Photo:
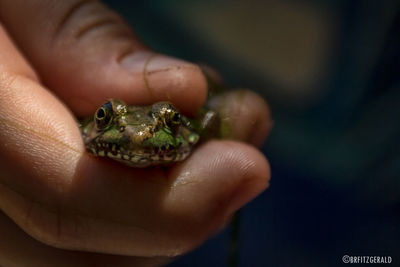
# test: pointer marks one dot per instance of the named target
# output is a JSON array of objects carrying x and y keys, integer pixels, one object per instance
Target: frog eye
[
  {"x": 176, "y": 118},
  {"x": 172, "y": 119},
  {"x": 103, "y": 116}
]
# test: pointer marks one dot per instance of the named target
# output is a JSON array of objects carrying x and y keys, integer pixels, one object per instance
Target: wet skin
[{"x": 142, "y": 136}]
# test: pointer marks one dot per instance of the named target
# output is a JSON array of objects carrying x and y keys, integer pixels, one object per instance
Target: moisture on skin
[{"x": 142, "y": 136}]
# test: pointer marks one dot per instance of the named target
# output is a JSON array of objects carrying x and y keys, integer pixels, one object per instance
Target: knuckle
[
  {"x": 86, "y": 17},
  {"x": 49, "y": 226}
]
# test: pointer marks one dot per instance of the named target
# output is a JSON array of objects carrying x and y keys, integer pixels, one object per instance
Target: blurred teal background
[{"x": 330, "y": 71}]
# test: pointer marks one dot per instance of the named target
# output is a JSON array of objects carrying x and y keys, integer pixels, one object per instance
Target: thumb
[{"x": 85, "y": 53}]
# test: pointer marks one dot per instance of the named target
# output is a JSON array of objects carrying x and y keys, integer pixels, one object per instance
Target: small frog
[{"x": 142, "y": 136}]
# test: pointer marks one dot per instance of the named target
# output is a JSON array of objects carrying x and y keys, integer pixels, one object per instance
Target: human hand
[{"x": 67, "y": 58}]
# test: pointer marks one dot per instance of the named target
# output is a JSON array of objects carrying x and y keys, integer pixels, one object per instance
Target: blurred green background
[{"x": 330, "y": 71}]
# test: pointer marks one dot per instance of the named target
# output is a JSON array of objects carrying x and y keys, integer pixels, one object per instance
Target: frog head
[{"x": 139, "y": 136}]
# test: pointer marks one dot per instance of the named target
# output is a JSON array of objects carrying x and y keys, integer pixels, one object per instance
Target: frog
[{"x": 145, "y": 135}]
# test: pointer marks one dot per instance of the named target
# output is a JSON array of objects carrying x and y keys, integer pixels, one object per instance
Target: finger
[
  {"x": 109, "y": 208},
  {"x": 19, "y": 249},
  {"x": 86, "y": 54},
  {"x": 38, "y": 133},
  {"x": 245, "y": 116}
]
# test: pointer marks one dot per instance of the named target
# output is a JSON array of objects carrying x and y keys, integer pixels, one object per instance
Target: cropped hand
[{"x": 62, "y": 59}]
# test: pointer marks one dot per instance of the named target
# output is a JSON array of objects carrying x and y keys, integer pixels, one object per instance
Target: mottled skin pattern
[{"x": 142, "y": 136}]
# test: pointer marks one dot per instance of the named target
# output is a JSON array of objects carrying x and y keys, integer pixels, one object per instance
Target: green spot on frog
[{"x": 163, "y": 138}]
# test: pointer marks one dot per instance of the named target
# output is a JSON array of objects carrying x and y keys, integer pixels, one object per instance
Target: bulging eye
[
  {"x": 166, "y": 114},
  {"x": 176, "y": 118},
  {"x": 104, "y": 115},
  {"x": 101, "y": 113},
  {"x": 172, "y": 119}
]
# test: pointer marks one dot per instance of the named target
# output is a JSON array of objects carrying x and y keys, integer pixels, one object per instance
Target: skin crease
[{"x": 63, "y": 197}]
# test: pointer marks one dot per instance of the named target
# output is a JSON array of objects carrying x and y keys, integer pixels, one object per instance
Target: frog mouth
[{"x": 140, "y": 157}]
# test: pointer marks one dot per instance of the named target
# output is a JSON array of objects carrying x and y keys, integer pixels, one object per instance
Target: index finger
[{"x": 86, "y": 54}]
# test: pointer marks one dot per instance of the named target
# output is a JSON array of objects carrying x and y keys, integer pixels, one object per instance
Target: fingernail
[
  {"x": 141, "y": 61},
  {"x": 168, "y": 78}
]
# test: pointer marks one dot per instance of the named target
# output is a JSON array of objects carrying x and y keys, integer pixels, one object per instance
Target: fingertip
[
  {"x": 163, "y": 78},
  {"x": 256, "y": 175},
  {"x": 219, "y": 178},
  {"x": 263, "y": 118},
  {"x": 245, "y": 116},
  {"x": 141, "y": 78},
  {"x": 183, "y": 85}
]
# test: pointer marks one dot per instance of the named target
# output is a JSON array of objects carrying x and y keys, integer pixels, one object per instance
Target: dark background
[{"x": 330, "y": 70}]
